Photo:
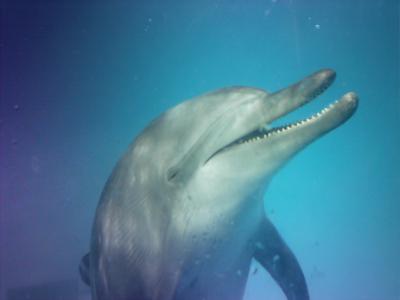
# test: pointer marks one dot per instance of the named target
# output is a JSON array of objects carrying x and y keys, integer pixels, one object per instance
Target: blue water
[{"x": 80, "y": 80}]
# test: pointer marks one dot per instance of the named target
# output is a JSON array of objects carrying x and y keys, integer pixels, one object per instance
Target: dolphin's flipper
[
  {"x": 275, "y": 256},
  {"x": 84, "y": 268}
]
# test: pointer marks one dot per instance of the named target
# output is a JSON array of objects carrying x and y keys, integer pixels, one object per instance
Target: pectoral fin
[{"x": 275, "y": 256}]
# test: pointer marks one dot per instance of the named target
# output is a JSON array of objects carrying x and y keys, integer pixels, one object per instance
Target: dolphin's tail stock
[{"x": 84, "y": 268}]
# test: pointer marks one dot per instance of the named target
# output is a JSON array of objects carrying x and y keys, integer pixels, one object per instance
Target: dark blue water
[{"x": 80, "y": 80}]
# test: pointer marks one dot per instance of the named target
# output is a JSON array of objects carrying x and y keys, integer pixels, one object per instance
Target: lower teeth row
[{"x": 290, "y": 126}]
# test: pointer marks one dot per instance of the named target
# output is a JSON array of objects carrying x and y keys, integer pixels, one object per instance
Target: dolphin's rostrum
[{"x": 182, "y": 214}]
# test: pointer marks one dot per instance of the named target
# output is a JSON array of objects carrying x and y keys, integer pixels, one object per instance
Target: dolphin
[{"x": 182, "y": 215}]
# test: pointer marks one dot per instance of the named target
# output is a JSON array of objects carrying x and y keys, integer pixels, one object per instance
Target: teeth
[{"x": 267, "y": 131}]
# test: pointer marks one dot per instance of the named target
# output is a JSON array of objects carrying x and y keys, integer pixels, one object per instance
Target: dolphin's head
[{"x": 228, "y": 136}]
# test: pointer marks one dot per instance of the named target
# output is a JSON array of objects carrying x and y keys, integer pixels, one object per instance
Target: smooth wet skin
[{"x": 182, "y": 214}]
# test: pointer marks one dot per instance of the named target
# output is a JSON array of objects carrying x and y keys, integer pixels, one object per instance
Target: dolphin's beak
[{"x": 292, "y": 137}]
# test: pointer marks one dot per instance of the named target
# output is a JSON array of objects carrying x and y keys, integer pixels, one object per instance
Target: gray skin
[{"x": 182, "y": 215}]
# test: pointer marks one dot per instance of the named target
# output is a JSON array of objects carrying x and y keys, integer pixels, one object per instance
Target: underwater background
[{"x": 80, "y": 79}]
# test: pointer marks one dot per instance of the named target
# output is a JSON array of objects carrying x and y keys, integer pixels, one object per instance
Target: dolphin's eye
[{"x": 171, "y": 174}]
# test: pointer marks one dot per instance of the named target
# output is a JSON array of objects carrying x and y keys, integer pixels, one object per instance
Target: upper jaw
[{"x": 296, "y": 95}]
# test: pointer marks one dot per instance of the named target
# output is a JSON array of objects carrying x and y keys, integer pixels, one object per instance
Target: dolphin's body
[{"x": 182, "y": 215}]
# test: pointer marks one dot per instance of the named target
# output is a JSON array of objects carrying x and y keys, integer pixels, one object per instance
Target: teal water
[{"x": 80, "y": 80}]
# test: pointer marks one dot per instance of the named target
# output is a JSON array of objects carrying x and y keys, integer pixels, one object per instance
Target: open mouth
[
  {"x": 268, "y": 131},
  {"x": 333, "y": 115}
]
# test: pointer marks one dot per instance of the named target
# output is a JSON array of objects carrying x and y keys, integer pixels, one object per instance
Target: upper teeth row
[{"x": 290, "y": 126}]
